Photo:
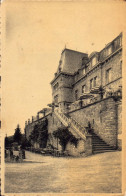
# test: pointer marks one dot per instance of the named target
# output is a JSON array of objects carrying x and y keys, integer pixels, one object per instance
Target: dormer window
[
  {"x": 56, "y": 86},
  {"x": 84, "y": 61},
  {"x": 84, "y": 71},
  {"x": 60, "y": 62},
  {"x": 94, "y": 61},
  {"x": 109, "y": 50},
  {"x": 117, "y": 43},
  {"x": 120, "y": 41}
]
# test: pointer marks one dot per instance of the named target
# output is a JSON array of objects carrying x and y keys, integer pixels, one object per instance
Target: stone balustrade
[
  {"x": 85, "y": 102},
  {"x": 72, "y": 123}
]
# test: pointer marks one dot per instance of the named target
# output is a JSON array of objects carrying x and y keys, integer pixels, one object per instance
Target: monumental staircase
[
  {"x": 77, "y": 130},
  {"x": 98, "y": 145}
]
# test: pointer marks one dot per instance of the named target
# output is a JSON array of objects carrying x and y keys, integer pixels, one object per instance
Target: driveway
[{"x": 100, "y": 173}]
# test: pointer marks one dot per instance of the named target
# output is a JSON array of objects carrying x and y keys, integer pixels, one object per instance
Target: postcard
[{"x": 63, "y": 97}]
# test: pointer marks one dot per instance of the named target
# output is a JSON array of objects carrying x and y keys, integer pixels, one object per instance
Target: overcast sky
[{"x": 35, "y": 35}]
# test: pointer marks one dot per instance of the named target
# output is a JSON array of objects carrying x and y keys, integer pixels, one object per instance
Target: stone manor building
[{"x": 87, "y": 100}]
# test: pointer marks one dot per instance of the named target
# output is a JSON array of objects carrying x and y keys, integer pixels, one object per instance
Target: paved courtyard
[{"x": 38, "y": 174}]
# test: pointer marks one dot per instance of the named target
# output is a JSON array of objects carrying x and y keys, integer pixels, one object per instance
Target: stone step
[
  {"x": 97, "y": 138},
  {"x": 102, "y": 151},
  {"x": 102, "y": 148},
  {"x": 98, "y": 142},
  {"x": 101, "y": 145}
]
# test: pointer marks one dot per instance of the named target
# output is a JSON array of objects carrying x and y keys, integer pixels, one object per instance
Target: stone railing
[
  {"x": 77, "y": 125},
  {"x": 81, "y": 103},
  {"x": 85, "y": 102},
  {"x": 71, "y": 123},
  {"x": 117, "y": 94},
  {"x": 36, "y": 118},
  {"x": 62, "y": 117}
]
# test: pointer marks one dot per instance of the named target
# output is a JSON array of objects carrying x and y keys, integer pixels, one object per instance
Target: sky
[{"x": 35, "y": 33}]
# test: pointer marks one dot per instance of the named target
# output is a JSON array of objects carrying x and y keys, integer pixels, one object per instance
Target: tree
[
  {"x": 18, "y": 135},
  {"x": 8, "y": 141},
  {"x": 25, "y": 143},
  {"x": 40, "y": 133},
  {"x": 35, "y": 133},
  {"x": 7, "y": 144},
  {"x": 65, "y": 136}
]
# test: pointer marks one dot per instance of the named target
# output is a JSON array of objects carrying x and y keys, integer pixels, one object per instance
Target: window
[
  {"x": 56, "y": 86},
  {"x": 121, "y": 66},
  {"x": 120, "y": 41},
  {"x": 91, "y": 83},
  {"x": 116, "y": 43},
  {"x": 56, "y": 99},
  {"x": 108, "y": 75},
  {"x": 76, "y": 95},
  {"x": 109, "y": 50},
  {"x": 60, "y": 62},
  {"x": 84, "y": 71},
  {"x": 83, "y": 88},
  {"x": 95, "y": 81},
  {"x": 93, "y": 61}
]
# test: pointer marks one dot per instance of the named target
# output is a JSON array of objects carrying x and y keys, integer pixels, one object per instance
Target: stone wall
[
  {"x": 103, "y": 118},
  {"x": 86, "y": 81},
  {"x": 119, "y": 123},
  {"x": 76, "y": 150},
  {"x": 64, "y": 90},
  {"x": 115, "y": 63},
  {"x": 116, "y": 68},
  {"x": 29, "y": 128}
]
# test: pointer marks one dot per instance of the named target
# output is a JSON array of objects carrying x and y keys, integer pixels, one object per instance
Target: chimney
[
  {"x": 25, "y": 123},
  {"x": 37, "y": 116},
  {"x": 28, "y": 121}
]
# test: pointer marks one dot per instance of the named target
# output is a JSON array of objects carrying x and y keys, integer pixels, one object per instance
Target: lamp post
[
  {"x": 52, "y": 105},
  {"x": 98, "y": 90},
  {"x": 43, "y": 111}
]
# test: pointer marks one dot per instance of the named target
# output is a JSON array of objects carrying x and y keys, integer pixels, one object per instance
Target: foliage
[
  {"x": 40, "y": 133},
  {"x": 74, "y": 141},
  {"x": 16, "y": 138},
  {"x": 35, "y": 133},
  {"x": 25, "y": 143},
  {"x": 17, "y": 135},
  {"x": 7, "y": 142},
  {"x": 64, "y": 137}
]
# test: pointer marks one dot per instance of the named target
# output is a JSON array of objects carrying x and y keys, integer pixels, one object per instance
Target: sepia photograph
[{"x": 62, "y": 85}]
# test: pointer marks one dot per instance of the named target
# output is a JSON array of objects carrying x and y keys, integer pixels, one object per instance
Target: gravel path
[{"x": 99, "y": 173}]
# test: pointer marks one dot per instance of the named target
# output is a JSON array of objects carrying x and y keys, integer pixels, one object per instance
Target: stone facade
[
  {"x": 102, "y": 117},
  {"x": 88, "y": 89}
]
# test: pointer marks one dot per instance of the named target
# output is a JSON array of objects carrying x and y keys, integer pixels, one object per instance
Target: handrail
[{"x": 71, "y": 122}]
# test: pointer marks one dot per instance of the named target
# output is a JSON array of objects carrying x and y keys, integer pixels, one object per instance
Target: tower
[{"x": 62, "y": 84}]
